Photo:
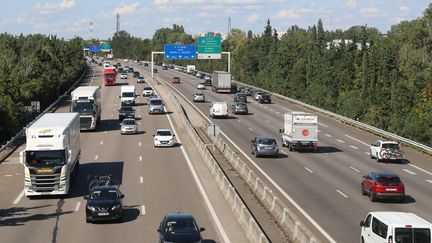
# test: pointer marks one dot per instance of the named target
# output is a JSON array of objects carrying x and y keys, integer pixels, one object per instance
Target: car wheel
[
  {"x": 363, "y": 192},
  {"x": 373, "y": 198},
  {"x": 370, "y": 154},
  {"x": 377, "y": 158},
  {"x": 88, "y": 220}
]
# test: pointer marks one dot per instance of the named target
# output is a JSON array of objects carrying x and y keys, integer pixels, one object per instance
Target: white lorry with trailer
[
  {"x": 127, "y": 95},
  {"x": 190, "y": 69},
  {"x": 86, "y": 100},
  {"x": 51, "y": 155},
  {"x": 300, "y": 131},
  {"x": 221, "y": 82}
]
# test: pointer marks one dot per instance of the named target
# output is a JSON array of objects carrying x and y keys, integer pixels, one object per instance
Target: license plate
[
  {"x": 390, "y": 189},
  {"x": 269, "y": 147},
  {"x": 45, "y": 171},
  {"x": 103, "y": 214}
]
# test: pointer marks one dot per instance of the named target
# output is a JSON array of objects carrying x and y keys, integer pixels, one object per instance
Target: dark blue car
[{"x": 179, "y": 228}]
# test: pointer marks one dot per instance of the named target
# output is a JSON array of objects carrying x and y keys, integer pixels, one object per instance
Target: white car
[
  {"x": 129, "y": 126},
  {"x": 199, "y": 97},
  {"x": 201, "y": 86},
  {"x": 163, "y": 138},
  {"x": 386, "y": 150},
  {"x": 148, "y": 91},
  {"x": 123, "y": 76}
]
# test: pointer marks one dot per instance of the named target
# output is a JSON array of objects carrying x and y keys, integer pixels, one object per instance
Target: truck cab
[{"x": 127, "y": 95}]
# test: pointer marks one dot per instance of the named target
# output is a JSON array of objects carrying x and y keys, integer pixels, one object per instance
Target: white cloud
[
  {"x": 253, "y": 18},
  {"x": 203, "y": 14},
  {"x": 127, "y": 9},
  {"x": 176, "y": 20},
  {"x": 50, "y": 7},
  {"x": 287, "y": 14},
  {"x": 404, "y": 9},
  {"x": 23, "y": 19},
  {"x": 370, "y": 11},
  {"x": 161, "y": 2},
  {"x": 229, "y": 11},
  {"x": 253, "y": 7},
  {"x": 350, "y": 4}
]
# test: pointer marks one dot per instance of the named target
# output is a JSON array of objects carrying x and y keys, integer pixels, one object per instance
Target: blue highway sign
[{"x": 185, "y": 52}]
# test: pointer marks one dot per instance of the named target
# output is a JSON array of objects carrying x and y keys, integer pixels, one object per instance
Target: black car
[
  {"x": 239, "y": 108},
  {"x": 264, "y": 98},
  {"x": 233, "y": 88},
  {"x": 120, "y": 70},
  {"x": 126, "y": 112},
  {"x": 104, "y": 203},
  {"x": 145, "y": 64},
  {"x": 179, "y": 228},
  {"x": 164, "y": 67},
  {"x": 239, "y": 97},
  {"x": 136, "y": 74},
  {"x": 130, "y": 70},
  {"x": 155, "y": 70}
]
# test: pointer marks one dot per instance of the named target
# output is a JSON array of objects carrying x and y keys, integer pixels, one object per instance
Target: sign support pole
[
  {"x": 229, "y": 59},
  {"x": 154, "y": 52}
]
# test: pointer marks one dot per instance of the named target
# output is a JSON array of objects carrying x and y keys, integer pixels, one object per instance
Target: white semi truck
[
  {"x": 86, "y": 100},
  {"x": 300, "y": 131},
  {"x": 221, "y": 82},
  {"x": 51, "y": 155}
]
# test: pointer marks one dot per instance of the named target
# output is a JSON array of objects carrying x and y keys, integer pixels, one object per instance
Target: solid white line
[
  {"x": 141, "y": 179},
  {"x": 328, "y": 135},
  {"x": 354, "y": 147},
  {"x": 355, "y": 139},
  {"x": 420, "y": 169},
  {"x": 101, "y": 142},
  {"x": 143, "y": 210},
  {"x": 310, "y": 171},
  {"x": 340, "y": 141},
  {"x": 354, "y": 169},
  {"x": 19, "y": 197},
  {"x": 8, "y": 175},
  {"x": 409, "y": 172},
  {"x": 250, "y": 129},
  {"x": 140, "y": 158},
  {"x": 430, "y": 181},
  {"x": 77, "y": 206},
  {"x": 277, "y": 112},
  {"x": 139, "y": 144},
  {"x": 285, "y": 108},
  {"x": 96, "y": 157},
  {"x": 345, "y": 196},
  {"x": 322, "y": 124}
]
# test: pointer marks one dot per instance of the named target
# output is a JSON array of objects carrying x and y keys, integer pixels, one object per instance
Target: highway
[
  {"x": 155, "y": 181},
  {"x": 325, "y": 184}
]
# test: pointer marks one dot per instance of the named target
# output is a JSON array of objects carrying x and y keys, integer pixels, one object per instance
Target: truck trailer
[
  {"x": 86, "y": 100},
  {"x": 221, "y": 82},
  {"x": 300, "y": 131},
  {"x": 110, "y": 76},
  {"x": 51, "y": 155}
]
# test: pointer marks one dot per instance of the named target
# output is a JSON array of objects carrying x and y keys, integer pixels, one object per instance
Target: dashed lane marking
[
  {"x": 8, "y": 175},
  {"x": 420, "y": 169},
  {"x": 277, "y": 112},
  {"x": 250, "y": 129},
  {"x": 140, "y": 158},
  {"x": 143, "y": 210},
  {"x": 101, "y": 142},
  {"x": 96, "y": 157},
  {"x": 77, "y": 206},
  {"x": 239, "y": 120},
  {"x": 309, "y": 170},
  {"x": 322, "y": 124},
  {"x": 19, "y": 197},
  {"x": 340, "y": 141},
  {"x": 367, "y": 153},
  {"x": 328, "y": 135},
  {"x": 355, "y": 139},
  {"x": 139, "y": 144},
  {"x": 430, "y": 181},
  {"x": 267, "y": 121},
  {"x": 141, "y": 179},
  {"x": 409, "y": 172},
  {"x": 354, "y": 147},
  {"x": 354, "y": 169},
  {"x": 343, "y": 194}
]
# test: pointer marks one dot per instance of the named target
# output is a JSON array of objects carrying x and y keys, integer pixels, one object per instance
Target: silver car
[
  {"x": 155, "y": 105},
  {"x": 129, "y": 126},
  {"x": 264, "y": 146},
  {"x": 199, "y": 97}
]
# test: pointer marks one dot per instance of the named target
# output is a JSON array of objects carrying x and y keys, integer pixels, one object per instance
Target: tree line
[{"x": 34, "y": 68}]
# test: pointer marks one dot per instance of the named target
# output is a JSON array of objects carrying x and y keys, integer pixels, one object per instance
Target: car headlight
[
  {"x": 91, "y": 208},
  {"x": 116, "y": 207}
]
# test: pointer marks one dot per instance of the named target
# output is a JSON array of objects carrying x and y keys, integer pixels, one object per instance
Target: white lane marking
[
  {"x": 139, "y": 110},
  {"x": 112, "y": 115},
  {"x": 250, "y": 129},
  {"x": 239, "y": 120},
  {"x": 143, "y": 210},
  {"x": 285, "y": 108},
  {"x": 277, "y": 112},
  {"x": 340, "y": 141},
  {"x": 114, "y": 109},
  {"x": 354, "y": 147},
  {"x": 354, "y": 169},
  {"x": 328, "y": 135},
  {"x": 140, "y": 158},
  {"x": 420, "y": 169},
  {"x": 8, "y": 175},
  {"x": 367, "y": 153},
  {"x": 139, "y": 116},
  {"x": 310, "y": 171},
  {"x": 77, "y": 206},
  {"x": 345, "y": 196},
  {"x": 355, "y": 139},
  {"x": 430, "y": 181},
  {"x": 101, "y": 142},
  {"x": 105, "y": 132},
  {"x": 267, "y": 121},
  {"x": 409, "y": 172},
  {"x": 19, "y": 197},
  {"x": 141, "y": 179},
  {"x": 322, "y": 124},
  {"x": 271, "y": 110},
  {"x": 139, "y": 144},
  {"x": 265, "y": 107},
  {"x": 96, "y": 157},
  {"x": 284, "y": 152},
  {"x": 290, "y": 199}
]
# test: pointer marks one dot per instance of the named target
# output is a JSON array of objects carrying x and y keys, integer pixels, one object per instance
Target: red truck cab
[{"x": 110, "y": 76}]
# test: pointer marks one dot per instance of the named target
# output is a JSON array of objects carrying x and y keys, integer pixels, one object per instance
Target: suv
[
  {"x": 385, "y": 150},
  {"x": 264, "y": 98},
  {"x": 126, "y": 112},
  {"x": 239, "y": 97},
  {"x": 381, "y": 185},
  {"x": 239, "y": 108},
  {"x": 147, "y": 91},
  {"x": 104, "y": 203},
  {"x": 177, "y": 227},
  {"x": 264, "y": 145},
  {"x": 155, "y": 105},
  {"x": 257, "y": 94}
]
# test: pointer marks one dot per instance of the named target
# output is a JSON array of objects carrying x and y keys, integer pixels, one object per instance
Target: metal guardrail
[{"x": 22, "y": 131}]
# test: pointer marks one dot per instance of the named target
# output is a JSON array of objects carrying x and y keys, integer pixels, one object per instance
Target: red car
[
  {"x": 383, "y": 185},
  {"x": 176, "y": 80}
]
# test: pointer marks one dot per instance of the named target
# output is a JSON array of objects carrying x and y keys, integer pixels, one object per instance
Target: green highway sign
[{"x": 209, "y": 47}]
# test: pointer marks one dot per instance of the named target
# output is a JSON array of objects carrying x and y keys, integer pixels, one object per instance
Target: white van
[
  {"x": 219, "y": 109},
  {"x": 395, "y": 227},
  {"x": 127, "y": 95}
]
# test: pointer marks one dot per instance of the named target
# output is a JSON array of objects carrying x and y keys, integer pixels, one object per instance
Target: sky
[{"x": 70, "y": 18}]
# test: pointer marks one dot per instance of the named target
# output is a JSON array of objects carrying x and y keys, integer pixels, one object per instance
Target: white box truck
[
  {"x": 300, "y": 130},
  {"x": 221, "y": 82},
  {"x": 127, "y": 95},
  {"x": 86, "y": 100},
  {"x": 190, "y": 69},
  {"x": 51, "y": 155}
]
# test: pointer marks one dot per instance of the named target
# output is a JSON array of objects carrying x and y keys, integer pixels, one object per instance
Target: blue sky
[{"x": 69, "y": 18}]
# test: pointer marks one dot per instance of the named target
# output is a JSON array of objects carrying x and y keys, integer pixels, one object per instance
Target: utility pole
[
  {"x": 118, "y": 23},
  {"x": 229, "y": 26}
]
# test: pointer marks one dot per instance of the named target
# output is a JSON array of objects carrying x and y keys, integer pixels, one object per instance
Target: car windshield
[
  {"x": 240, "y": 105},
  {"x": 163, "y": 133},
  {"x": 267, "y": 141},
  {"x": 155, "y": 102},
  {"x": 148, "y": 88},
  {"x": 199, "y": 94},
  {"x": 127, "y": 94},
  {"x": 390, "y": 146},
  {"x": 82, "y": 106},
  {"x": 183, "y": 226},
  {"x": 126, "y": 108},
  {"x": 104, "y": 194},
  {"x": 388, "y": 180},
  {"x": 49, "y": 158},
  {"x": 128, "y": 122}
]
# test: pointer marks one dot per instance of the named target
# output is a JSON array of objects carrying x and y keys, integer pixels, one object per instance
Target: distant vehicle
[
  {"x": 177, "y": 68},
  {"x": 198, "y": 74},
  {"x": 140, "y": 79},
  {"x": 129, "y": 126},
  {"x": 156, "y": 105},
  {"x": 136, "y": 74},
  {"x": 126, "y": 60},
  {"x": 239, "y": 108},
  {"x": 164, "y": 67},
  {"x": 300, "y": 131},
  {"x": 190, "y": 69},
  {"x": 257, "y": 95},
  {"x": 51, "y": 154},
  {"x": 264, "y": 146},
  {"x": 233, "y": 88},
  {"x": 221, "y": 82},
  {"x": 155, "y": 70},
  {"x": 199, "y": 97},
  {"x": 100, "y": 64},
  {"x": 176, "y": 80},
  {"x": 123, "y": 76},
  {"x": 86, "y": 100},
  {"x": 104, "y": 203},
  {"x": 127, "y": 95},
  {"x": 385, "y": 150},
  {"x": 171, "y": 66},
  {"x": 264, "y": 98},
  {"x": 397, "y": 227},
  {"x": 106, "y": 64},
  {"x": 147, "y": 91},
  {"x": 126, "y": 112},
  {"x": 179, "y": 228},
  {"x": 248, "y": 91},
  {"x": 110, "y": 76},
  {"x": 219, "y": 109},
  {"x": 120, "y": 70},
  {"x": 202, "y": 76},
  {"x": 163, "y": 138},
  {"x": 239, "y": 97},
  {"x": 383, "y": 185},
  {"x": 130, "y": 70},
  {"x": 201, "y": 86},
  {"x": 145, "y": 64},
  {"x": 207, "y": 78}
]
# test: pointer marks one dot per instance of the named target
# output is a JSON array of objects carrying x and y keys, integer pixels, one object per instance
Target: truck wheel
[
  {"x": 377, "y": 158},
  {"x": 290, "y": 147}
]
